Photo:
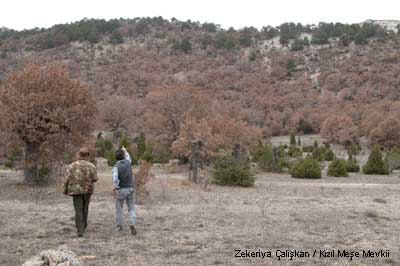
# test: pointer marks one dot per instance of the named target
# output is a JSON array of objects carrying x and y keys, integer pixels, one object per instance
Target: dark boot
[
  {"x": 133, "y": 230},
  {"x": 86, "y": 202}
]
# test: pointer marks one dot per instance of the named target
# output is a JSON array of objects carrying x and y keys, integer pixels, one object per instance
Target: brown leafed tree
[
  {"x": 167, "y": 107},
  {"x": 339, "y": 128},
  {"x": 46, "y": 111},
  {"x": 386, "y": 134},
  {"x": 236, "y": 132},
  {"x": 117, "y": 114},
  {"x": 192, "y": 131}
]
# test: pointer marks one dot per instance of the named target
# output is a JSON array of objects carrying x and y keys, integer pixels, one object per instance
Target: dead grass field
[{"x": 183, "y": 224}]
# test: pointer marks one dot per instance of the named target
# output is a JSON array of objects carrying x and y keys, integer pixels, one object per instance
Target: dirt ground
[{"x": 185, "y": 224}]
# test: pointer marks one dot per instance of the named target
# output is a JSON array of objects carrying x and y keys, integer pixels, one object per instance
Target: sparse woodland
[
  {"x": 304, "y": 118},
  {"x": 179, "y": 82}
]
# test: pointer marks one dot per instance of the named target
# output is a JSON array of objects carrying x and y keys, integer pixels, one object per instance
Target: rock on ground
[{"x": 60, "y": 257}]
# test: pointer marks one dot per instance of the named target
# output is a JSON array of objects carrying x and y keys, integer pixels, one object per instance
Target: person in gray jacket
[{"x": 123, "y": 189}]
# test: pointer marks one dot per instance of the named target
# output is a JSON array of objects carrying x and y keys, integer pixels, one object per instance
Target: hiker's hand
[
  {"x": 123, "y": 148},
  {"x": 114, "y": 194}
]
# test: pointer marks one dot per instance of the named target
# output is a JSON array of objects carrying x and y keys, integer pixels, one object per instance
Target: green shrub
[
  {"x": 376, "y": 165},
  {"x": 147, "y": 156},
  {"x": 281, "y": 164},
  {"x": 125, "y": 142},
  {"x": 291, "y": 66},
  {"x": 329, "y": 155},
  {"x": 141, "y": 144},
  {"x": 270, "y": 159},
  {"x": 228, "y": 172},
  {"x": 315, "y": 144},
  {"x": 184, "y": 45},
  {"x": 306, "y": 168},
  {"x": 103, "y": 145},
  {"x": 245, "y": 40},
  {"x": 162, "y": 156},
  {"x": 305, "y": 126},
  {"x": 393, "y": 159},
  {"x": 224, "y": 40},
  {"x": 294, "y": 151},
  {"x": 15, "y": 154},
  {"x": 352, "y": 165},
  {"x": 297, "y": 45},
  {"x": 9, "y": 164},
  {"x": 280, "y": 151},
  {"x": 354, "y": 148},
  {"x": 116, "y": 37},
  {"x": 337, "y": 168},
  {"x": 265, "y": 157},
  {"x": 318, "y": 153},
  {"x": 110, "y": 156},
  {"x": 42, "y": 174},
  {"x": 292, "y": 139},
  {"x": 308, "y": 149},
  {"x": 253, "y": 56}
]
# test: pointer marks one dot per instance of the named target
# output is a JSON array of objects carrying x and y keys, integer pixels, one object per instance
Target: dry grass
[{"x": 184, "y": 224}]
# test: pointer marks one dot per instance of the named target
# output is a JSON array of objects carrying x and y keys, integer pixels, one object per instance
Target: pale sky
[{"x": 21, "y": 14}]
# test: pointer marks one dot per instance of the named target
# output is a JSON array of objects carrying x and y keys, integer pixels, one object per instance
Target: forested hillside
[{"x": 179, "y": 81}]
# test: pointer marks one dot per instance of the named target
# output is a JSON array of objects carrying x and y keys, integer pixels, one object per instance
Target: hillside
[{"x": 273, "y": 80}]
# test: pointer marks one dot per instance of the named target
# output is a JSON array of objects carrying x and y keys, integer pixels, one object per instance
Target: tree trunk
[
  {"x": 236, "y": 152},
  {"x": 31, "y": 161},
  {"x": 194, "y": 165}
]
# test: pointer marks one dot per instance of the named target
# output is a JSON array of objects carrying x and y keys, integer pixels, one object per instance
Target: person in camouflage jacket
[{"x": 79, "y": 179}]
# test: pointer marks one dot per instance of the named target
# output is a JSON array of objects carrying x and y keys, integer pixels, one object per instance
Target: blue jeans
[{"x": 128, "y": 195}]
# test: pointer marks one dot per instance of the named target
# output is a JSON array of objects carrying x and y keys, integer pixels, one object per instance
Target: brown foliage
[
  {"x": 117, "y": 114},
  {"x": 142, "y": 178},
  {"x": 339, "y": 128},
  {"x": 192, "y": 131},
  {"x": 215, "y": 133},
  {"x": 361, "y": 82},
  {"x": 167, "y": 107},
  {"x": 46, "y": 110},
  {"x": 386, "y": 134},
  {"x": 232, "y": 131}
]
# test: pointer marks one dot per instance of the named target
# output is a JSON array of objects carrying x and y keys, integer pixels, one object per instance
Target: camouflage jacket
[{"x": 79, "y": 178}]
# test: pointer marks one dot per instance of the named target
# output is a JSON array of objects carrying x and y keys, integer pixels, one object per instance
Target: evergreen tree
[
  {"x": 297, "y": 45},
  {"x": 376, "y": 165},
  {"x": 229, "y": 172},
  {"x": 292, "y": 139},
  {"x": 306, "y": 168},
  {"x": 266, "y": 158},
  {"x": 352, "y": 165},
  {"x": 141, "y": 145},
  {"x": 102, "y": 146},
  {"x": 116, "y": 37},
  {"x": 315, "y": 144},
  {"x": 291, "y": 66},
  {"x": 125, "y": 142},
  {"x": 186, "y": 45},
  {"x": 329, "y": 155},
  {"x": 305, "y": 126},
  {"x": 337, "y": 168}
]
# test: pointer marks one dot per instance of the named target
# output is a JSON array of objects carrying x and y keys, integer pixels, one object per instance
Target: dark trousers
[{"x": 81, "y": 205}]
